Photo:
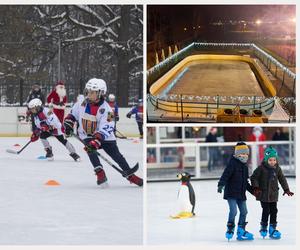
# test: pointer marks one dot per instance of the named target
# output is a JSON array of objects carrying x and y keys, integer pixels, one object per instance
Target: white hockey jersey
[
  {"x": 50, "y": 119},
  {"x": 94, "y": 118}
]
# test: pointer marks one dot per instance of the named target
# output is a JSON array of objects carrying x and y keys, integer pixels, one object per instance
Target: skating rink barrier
[
  {"x": 13, "y": 122},
  {"x": 208, "y": 160}
]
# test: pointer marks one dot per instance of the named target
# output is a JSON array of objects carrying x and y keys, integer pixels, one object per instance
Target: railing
[
  {"x": 185, "y": 107},
  {"x": 196, "y": 158}
]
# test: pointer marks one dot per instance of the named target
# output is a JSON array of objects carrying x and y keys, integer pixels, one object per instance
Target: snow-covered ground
[
  {"x": 209, "y": 225},
  {"x": 73, "y": 213}
]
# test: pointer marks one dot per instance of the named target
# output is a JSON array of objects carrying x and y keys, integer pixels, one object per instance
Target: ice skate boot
[
  {"x": 101, "y": 177},
  {"x": 273, "y": 232},
  {"x": 75, "y": 156},
  {"x": 242, "y": 234},
  {"x": 230, "y": 231},
  {"x": 263, "y": 229},
  {"x": 49, "y": 154},
  {"x": 135, "y": 179}
]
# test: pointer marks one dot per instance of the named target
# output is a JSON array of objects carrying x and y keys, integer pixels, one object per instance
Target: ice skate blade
[{"x": 50, "y": 158}]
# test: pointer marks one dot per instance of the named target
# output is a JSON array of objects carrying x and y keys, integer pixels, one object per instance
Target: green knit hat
[{"x": 269, "y": 153}]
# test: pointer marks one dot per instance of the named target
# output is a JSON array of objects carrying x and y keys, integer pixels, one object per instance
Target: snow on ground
[
  {"x": 74, "y": 213},
  {"x": 209, "y": 225}
]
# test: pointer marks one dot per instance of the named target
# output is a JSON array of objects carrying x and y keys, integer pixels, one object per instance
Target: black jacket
[
  {"x": 235, "y": 179},
  {"x": 211, "y": 138},
  {"x": 36, "y": 94},
  {"x": 266, "y": 179}
]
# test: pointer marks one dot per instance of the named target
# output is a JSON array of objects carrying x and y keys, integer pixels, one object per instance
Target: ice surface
[
  {"x": 209, "y": 225},
  {"x": 77, "y": 212}
]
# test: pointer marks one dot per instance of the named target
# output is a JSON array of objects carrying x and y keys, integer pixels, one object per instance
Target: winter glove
[
  {"x": 256, "y": 192},
  {"x": 220, "y": 189},
  {"x": 128, "y": 115},
  {"x": 288, "y": 192},
  {"x": 95, "y": 143},
  {"x": 35, "y": 135}
]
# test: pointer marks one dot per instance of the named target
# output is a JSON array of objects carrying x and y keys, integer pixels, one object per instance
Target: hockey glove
[
  {"x": 220, "y": 189},
  {"x": 44, "y": 127},
  {"x": 95, "y": 143},
  {"x": 68, "y": 125},
  {"x": 288, "y": 192},
  {"x": 128, "y": 115},
  {"x": 117, "y": 118},
  {"x": 256, "y": 192},
  {"x": 35, "y": 135}
]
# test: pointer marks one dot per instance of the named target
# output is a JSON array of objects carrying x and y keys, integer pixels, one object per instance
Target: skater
[
  {"x": 35, "y": 92},
  {"x": 138, "y": 112},
  {"x": 57, "y": 100},
  {"x": 47, "y": 124},
  {"x": 265, "y": 185},
  {"x": 235, "y": 180},
  {"x": 114, "y": 106},
  {"x": 96, "y": 128}
]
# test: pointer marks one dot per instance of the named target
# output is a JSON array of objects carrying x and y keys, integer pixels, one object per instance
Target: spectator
[
  {"x": 280, "y": 136},
  {"x": 258, "y": 136},
  {"x": 212, "y": 151}
]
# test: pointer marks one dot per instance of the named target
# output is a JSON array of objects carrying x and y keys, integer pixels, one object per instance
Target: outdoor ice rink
[
  {"x": 209, "y": 225},
  {"x": 217, "y": 77},
  {"x": 78, "y": 212}
]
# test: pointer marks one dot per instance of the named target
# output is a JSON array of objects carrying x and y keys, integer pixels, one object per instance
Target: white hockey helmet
[
  {"x": 111, "y": 97},
  {"x": 96, "y": 84},
  {"x": 35, "y": 103}
]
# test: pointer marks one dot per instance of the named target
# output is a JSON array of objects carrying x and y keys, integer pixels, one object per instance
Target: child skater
[
  {"x": 264, "y": 181},
  {"x": 235, "y": 180}
]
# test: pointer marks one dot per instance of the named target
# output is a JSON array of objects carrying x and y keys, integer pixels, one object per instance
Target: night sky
[{"x": 209, "y": 13}]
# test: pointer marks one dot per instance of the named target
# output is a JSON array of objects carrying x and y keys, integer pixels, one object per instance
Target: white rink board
[
  {"x": 11, "y": 126},
  {"x": 77, "y": 212}
]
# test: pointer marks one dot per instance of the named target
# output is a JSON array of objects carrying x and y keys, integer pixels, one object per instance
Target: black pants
[
  {"x": 269, "y": 209},
  {"x": 60, "y": 138},
  {"x": 111, "y": 148},
  {"x": 140, "y": 125}
]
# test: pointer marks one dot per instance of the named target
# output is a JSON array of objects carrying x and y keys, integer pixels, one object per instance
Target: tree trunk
[{"x": 123, "y": 57}]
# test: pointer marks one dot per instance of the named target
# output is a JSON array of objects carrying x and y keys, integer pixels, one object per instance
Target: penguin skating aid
[{"x": 186, "y": 200}]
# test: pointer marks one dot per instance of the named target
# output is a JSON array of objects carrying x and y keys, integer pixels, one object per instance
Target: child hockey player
[
  {"x": 114, "y": 106},
  {"x": 265, "y": 185},
  {"x": 138, "y": 112},
  {"x": 96, "y": 129},
  {"x": 235, "y": 180},
  {"x": 47, "y": 124}
]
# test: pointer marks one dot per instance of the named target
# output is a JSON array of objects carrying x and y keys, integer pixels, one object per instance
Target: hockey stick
[
  {"x": 123, "y": 173},
  {"x": 17, "y": 152}
]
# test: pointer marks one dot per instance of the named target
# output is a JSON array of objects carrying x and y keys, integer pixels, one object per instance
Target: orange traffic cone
[{"x": 52, "y": 183}]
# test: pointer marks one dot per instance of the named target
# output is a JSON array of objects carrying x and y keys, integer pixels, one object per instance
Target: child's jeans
[{"x": 241, "y": 204}]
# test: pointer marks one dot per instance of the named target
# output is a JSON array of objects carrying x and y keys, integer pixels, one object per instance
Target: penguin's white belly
[{"x": 183, "y": 204}]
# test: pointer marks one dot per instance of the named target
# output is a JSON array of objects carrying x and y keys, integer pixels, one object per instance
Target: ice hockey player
[
  {"x": 35, "y": 92},
  {"x": 96, "y": 129},
  {"x": 114, "y": 106},
  {"x": 57, "y": 100},
  {"x": 47, "y": 124},
  {"x": 235, "y": 179},
  {"x": 138, "y": 112},
  {"x": 265, "y": 180}
]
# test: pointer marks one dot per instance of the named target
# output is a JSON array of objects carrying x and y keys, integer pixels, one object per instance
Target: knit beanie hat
[
  {"x": 269, "y": 153},
  {"x": 241, "y": 148}
]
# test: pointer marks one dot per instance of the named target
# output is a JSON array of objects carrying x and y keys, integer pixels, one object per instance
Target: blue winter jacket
[{"x": 235, "y": 178}]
